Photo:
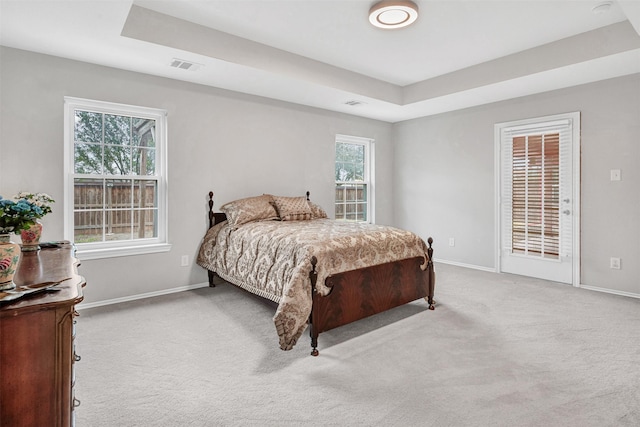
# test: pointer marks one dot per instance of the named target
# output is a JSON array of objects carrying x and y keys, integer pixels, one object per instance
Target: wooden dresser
[{"x": 37, "y": 351}]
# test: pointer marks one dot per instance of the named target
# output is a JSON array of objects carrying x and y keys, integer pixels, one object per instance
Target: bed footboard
[{"x": 361, "y": 293}]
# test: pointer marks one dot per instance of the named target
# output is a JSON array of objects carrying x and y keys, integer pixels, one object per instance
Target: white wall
[
  {"x": 444, "y": 177},
  {"x": 236, "y": 145}
]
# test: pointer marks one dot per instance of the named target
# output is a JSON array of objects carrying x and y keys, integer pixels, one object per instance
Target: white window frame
[
  {"x": 97, "y": 250},
  {"x": 369, "y": 171}
]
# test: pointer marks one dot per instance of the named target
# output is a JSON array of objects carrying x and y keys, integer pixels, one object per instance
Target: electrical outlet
[
  {"x": 614, "y": 263},
  {"x": 184, "y": 262},
  {"x": 452, "y": 241}
]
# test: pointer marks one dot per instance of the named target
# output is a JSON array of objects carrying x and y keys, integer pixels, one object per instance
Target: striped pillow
[
  {"x": 317, "y": 212},
  {"x": 292, "y": 208}
]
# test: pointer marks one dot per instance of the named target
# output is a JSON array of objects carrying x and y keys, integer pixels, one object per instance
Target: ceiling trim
[
  {"x": 603, "y": 42},
  {"x": 552, "y": 58},
  {"x": 165, "y": 30}
]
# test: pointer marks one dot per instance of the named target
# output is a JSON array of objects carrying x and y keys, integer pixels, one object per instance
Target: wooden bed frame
[{"x": 357, "y": 294}]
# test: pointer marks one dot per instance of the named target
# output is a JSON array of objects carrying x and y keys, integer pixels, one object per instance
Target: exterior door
[{"x": 539, "y": 198}]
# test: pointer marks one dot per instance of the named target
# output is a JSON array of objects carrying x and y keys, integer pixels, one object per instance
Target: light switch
[{"x": 615, "y": 174}]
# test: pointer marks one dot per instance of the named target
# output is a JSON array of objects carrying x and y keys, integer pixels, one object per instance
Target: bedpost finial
[
  {"x": 308, "y": 194},
  {"x": 211, "y": 215},
  {"x": 430, "y": 241}
]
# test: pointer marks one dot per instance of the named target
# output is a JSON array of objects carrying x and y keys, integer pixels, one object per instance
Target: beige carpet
[{"x": 499, "y": 350}]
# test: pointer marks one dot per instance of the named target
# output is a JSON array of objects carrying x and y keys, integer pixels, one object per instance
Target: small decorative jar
[
  {"x": 9, "y": 257},
  {"x": 31, "y": 237}
]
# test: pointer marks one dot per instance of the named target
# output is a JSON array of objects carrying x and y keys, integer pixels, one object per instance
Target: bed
[{"x": 321, "y": 273}]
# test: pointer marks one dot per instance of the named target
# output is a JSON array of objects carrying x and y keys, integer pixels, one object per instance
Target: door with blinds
[{"x": 539, "y": 197}]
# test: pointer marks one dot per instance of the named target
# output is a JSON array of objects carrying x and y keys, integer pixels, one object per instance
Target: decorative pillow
[
  {"x": 317, "y": 212},
  {"x": 250, "y": 209},
  {"x": 292, "y": 208}
]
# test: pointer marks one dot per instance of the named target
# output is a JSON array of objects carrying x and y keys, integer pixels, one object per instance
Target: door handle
[
  {"x": 566, "y": 200},
  {"x": 566, "y": 212}
]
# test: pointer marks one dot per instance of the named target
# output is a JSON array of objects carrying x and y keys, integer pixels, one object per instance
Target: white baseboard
[
  {"x": 491, "y": 270},
  {"x": 83, "y": 305},
  {"x": 460, "y": 264},
  {"x": 610, "y": 291}
]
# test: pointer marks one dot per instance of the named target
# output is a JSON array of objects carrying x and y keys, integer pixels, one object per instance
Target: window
[
  {"x": 354, "y": 179},
  {"x": 535, "y": 228},
  {"x": 115, "y": 192}
]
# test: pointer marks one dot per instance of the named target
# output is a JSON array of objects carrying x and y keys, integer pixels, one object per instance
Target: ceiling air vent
[
  {"x": 184, "y": 65},
  {"x": 354, "y": 103}
]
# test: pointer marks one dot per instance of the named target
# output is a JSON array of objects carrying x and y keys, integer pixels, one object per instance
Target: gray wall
[
  {"x": 437, "y": 178},
  {"x": 233, "y": 144},
  {"x": 444, "y": 177}
]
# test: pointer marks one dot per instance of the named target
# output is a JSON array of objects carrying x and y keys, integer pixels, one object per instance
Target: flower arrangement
[
  {"x": 42, "y": 201},
  {"x": 22, "y": 211}
]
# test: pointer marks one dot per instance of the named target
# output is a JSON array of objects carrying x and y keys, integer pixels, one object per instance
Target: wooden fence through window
[
  {"x": 351, "y": 202},
  {"x": 117, "y": 207}
]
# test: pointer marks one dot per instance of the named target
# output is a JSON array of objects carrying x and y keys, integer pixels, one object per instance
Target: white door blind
[
  {"x": 536, "y": 179},
  {"x": 536, "y": 216}
]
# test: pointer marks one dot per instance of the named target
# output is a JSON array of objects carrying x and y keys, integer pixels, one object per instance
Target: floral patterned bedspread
[{"x": 273, "y": 259}]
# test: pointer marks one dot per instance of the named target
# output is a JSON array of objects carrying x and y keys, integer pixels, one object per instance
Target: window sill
[{"x": 88, "y": 254}]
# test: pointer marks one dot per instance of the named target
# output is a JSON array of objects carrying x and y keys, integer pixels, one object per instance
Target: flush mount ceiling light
[{"x": 393, "y": 14}]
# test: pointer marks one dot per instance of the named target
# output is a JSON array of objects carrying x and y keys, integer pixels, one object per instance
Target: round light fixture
[{"x": 393, "y": 14}]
